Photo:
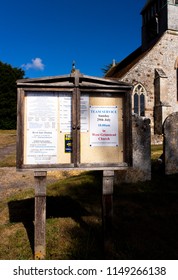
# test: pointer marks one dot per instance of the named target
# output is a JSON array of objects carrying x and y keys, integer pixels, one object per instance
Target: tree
[
  {"x": 8, "y": 95},
  {"x": 108, "y": 67}
]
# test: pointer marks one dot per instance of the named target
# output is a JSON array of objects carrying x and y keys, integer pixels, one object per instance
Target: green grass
[
  {"x": 145, "y": 220},
  {"x": 73, "y": 225},
  {"x": 156, "y": 151},
  {"x": 8, "y": 138},
  {"x": 9, "y": 161}
]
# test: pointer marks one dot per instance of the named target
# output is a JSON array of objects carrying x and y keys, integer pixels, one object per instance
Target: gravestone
[
  {"x": 140, "y": 170},
  {"x": 141, "y": 137},
  {"x": 170, "y": 132}
]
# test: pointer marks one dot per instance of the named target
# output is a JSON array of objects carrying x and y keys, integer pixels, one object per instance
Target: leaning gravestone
[{"x": 170, "y": 131}]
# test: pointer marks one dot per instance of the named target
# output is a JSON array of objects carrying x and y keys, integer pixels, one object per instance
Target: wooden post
[
  {"x": 40, "y": 215},
  {"x": 107, "y": 208}
]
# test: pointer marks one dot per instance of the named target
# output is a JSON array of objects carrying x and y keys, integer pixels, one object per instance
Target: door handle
[{"x": 74, "y": 127}]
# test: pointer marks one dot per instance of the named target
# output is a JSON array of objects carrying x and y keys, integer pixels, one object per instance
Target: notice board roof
[{"x": 75, "y": 79}]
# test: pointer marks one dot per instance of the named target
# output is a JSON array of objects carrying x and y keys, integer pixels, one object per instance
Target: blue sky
[{"x": 44, "y": 37}]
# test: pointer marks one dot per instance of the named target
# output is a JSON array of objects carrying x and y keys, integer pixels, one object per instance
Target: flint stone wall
[
  {"x": 162, "y": 56},
  {"x": 170, "y": 132}
]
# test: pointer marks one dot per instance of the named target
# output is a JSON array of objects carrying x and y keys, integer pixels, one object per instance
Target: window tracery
[{"x": 139, "y": 93}]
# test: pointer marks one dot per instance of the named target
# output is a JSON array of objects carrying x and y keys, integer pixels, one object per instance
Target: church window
[
  {"x": 142, "y": 104},
  {"x": 159, "y": 5},
  {"x": 152, "y": 11},
  {"x": 139, "y": 100},
  {"x": 164, "y": 2},
  {"x": 136, "y": 111},
  {"x": 177, "y": 82},
  {"x": 176, "y": 68}
]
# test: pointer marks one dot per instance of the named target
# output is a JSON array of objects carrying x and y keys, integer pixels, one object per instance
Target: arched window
[
  {"x": 176, "y": 68},
  {"x": 139, "y": 100},
  {"x": 177, "y": 82}
]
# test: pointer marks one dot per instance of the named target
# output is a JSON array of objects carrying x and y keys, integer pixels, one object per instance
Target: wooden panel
[
  {"x": 20, "y": 128},
  {"x": 103, "y": 154},
  {"x": 40, "y": 215}
]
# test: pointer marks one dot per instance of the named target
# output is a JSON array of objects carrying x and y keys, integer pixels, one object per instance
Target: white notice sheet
[
  {"x": 41, "y": 126},
  {"x": 65, "y": 103},
  {"x": 103, "y": 126},
  {"x": 84, "y": 113}
]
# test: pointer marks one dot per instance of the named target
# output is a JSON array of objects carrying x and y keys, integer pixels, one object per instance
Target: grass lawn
[
  {"x": 8, "y": 141},
  {"x": 7, "y": 137},
  {"x": 145, "y": 221}
]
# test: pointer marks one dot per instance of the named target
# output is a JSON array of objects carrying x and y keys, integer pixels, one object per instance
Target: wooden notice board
[{"x": 73, "y": 121}]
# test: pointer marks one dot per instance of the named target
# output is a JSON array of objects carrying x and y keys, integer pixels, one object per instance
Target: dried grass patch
[{"x": 8, "y": 137}]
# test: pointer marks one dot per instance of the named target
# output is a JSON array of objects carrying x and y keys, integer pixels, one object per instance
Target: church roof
[
  {"x": 121, "y": 68},
  {"x": 148, "y": 2},
  {"x": 126, "y": 64}
]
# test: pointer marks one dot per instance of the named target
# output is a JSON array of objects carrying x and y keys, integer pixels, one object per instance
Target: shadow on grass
[
  {"x": 75, "y": 199},
  {"x": 145, "y": 221},
  {"x": 146, "y": 218},
  {"x": 146, "y": 225},
  {"x": 22, "y": 211}
]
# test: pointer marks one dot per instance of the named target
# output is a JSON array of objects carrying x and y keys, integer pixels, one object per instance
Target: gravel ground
[
  {"x": 5, "y": 151},
  {"x": 12, "y": 181}
]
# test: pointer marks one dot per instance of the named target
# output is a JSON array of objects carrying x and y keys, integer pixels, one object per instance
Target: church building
[{"x": 152, "y": 69}]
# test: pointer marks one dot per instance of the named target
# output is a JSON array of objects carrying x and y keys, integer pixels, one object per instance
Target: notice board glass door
[
  {"x": 47, "y": 128},
  {"x": 101, "y": 135}
]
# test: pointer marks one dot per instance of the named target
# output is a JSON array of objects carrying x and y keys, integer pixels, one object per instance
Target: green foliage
[
  {"x": 8, "y": 95},
  {"x": 106, "y": 68}
]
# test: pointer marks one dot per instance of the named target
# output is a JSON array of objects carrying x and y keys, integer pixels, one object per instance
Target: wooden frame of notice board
[{"x": 73, "y": 122}]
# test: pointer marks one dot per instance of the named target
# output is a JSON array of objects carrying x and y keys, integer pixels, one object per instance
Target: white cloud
[{"x": 36, "y": 64}]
